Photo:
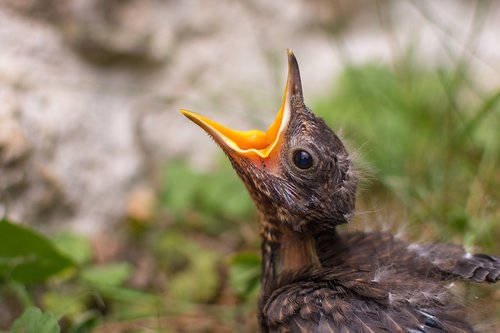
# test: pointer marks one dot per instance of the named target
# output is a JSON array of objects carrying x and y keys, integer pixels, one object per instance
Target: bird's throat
[
  {"x": 286, "y": 253},
  {"x": 297, "y": 252}
]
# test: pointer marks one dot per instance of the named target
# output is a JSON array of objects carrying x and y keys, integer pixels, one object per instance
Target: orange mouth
[{"x": 253, "y": 143}]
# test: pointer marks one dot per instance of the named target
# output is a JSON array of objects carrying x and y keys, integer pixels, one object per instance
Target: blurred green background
[{"x": 411, "y": 87}]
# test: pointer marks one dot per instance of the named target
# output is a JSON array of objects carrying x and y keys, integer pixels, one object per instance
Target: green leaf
[
  {"x": 199, "y": 281},
  {"x": 114, "y": 274},
  {"x": 76, "y": 247},
  {"x": 244, "y": 274},
  {"x": 65, "y": 304},
  {"x": 34, "y": 321},
  {"x": 124, "y": 294},
  {"x": 191, "y": 268},
  {"x": 27, "y": 256},
  {"x": 209, "y": 201}
]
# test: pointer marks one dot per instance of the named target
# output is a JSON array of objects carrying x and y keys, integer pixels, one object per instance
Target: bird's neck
[{"x": 285, "y": 253}]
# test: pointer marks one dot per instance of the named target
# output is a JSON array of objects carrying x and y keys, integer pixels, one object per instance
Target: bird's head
[{"x": 298, "y": 172}]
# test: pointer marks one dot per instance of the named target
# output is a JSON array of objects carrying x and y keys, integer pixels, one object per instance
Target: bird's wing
[
  {"x": 379, "y": 250},
  {"x": 455, "y": 261},
  {"x": 322, "y": 307}
]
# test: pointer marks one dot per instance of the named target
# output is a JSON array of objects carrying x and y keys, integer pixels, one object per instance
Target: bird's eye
[{"x": 302, "y": 159}]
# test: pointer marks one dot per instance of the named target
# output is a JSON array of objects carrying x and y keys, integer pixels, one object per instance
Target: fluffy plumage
[{"x": 372, "y": 282}]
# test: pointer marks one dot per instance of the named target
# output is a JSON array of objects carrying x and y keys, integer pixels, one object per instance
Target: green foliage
[
  {"x": 69, "y": 295},
  {"x": 207, "y": 201},
  {"x": 76, "y": 247},
  {"x": 114, "y": 274},
  {"x": 26, "y": 256},
  {"x": 244, "y": 274},
  {"x": 64, "y": 304},
  {"x": 192, "y": 268},
  {"x": 33, "y": 320}
]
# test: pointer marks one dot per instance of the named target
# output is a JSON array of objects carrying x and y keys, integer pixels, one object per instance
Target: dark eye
[{"x": 302, "y": 159}]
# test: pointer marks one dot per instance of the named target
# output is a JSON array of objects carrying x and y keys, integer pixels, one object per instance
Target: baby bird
[{"x": 314, "y": 278}]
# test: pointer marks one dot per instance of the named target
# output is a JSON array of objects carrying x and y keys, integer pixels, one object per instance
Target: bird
[{"x": 316, "y": 278}]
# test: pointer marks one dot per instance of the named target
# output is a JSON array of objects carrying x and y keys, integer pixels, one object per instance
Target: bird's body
[
  {"x": 314, "y": 279},
  {"x": 372, "y": 282}
]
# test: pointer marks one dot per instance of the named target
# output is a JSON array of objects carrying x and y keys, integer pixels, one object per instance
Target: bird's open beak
[{"x": 255, "y": 143}]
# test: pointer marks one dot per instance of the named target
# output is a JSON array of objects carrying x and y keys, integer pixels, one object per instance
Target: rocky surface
[{"x": 90, "y": 90}]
